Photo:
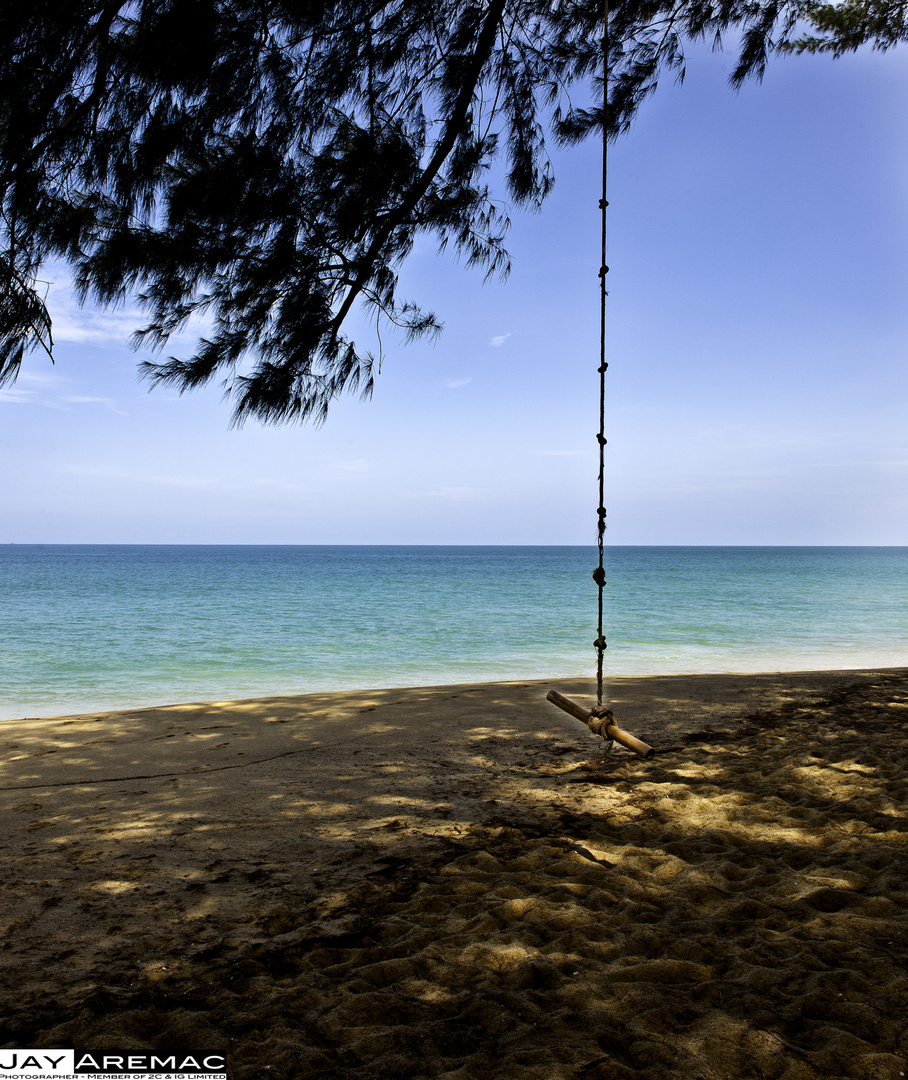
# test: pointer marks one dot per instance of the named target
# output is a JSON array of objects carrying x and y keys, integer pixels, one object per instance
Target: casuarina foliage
[{"x": 268, "y": 164}]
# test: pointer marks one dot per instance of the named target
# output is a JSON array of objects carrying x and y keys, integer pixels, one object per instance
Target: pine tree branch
[{"x": 445, "y": 145}]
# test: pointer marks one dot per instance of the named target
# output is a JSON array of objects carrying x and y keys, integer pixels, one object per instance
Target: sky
[{"x": 757, "y": 347}]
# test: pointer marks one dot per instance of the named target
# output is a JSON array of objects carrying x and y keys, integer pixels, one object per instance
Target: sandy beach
[{"x": 458, "y": 882}]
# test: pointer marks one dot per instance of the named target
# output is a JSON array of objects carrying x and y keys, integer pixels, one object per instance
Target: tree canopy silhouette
[{"x": 269, "y": 163}]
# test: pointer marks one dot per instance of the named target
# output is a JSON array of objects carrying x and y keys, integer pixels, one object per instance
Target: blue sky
[{"x": 758, "y": 350}]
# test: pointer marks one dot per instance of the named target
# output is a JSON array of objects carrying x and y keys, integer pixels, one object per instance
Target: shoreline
[
  {"x": 456, "y": 882},
  {"x": 627, "y": 687}
]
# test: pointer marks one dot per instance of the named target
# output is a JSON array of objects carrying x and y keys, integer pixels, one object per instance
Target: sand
[{"x": 457, "y": 882}]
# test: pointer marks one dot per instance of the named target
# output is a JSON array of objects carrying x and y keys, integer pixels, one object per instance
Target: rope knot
[{"x": 599, "y": 720}]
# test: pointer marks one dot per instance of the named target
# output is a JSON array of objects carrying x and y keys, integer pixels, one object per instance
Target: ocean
[{"x": 93, "y": 627}]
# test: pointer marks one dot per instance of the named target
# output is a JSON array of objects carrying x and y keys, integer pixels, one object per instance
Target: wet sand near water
[{"x": 458, "y": 882}]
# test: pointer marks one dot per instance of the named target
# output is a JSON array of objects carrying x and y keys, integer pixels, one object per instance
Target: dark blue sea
[{"x": 103, "y": 627}]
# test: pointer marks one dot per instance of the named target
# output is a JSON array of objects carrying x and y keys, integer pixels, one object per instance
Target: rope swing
[{"x": 601, "y": 720}]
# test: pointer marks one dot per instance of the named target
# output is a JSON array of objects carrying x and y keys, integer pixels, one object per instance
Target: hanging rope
[
  {"x": 599, "y": 572},
  {"x": 600, "y": 720}
]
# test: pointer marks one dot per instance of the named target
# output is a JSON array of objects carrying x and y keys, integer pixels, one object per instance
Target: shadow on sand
[{"x": 453, "y": 881}]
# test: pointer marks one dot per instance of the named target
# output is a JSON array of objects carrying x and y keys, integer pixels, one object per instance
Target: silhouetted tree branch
[{"x": 269, "y": 164}]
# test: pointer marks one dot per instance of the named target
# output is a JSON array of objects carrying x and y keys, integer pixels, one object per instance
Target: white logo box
[{"x": 63, "y": 1064}]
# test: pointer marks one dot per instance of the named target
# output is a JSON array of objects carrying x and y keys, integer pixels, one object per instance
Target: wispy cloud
[
  {"x": 84, "y": 325},
  {"x": 22, "y": 395},
  {"x": 40, "y": 378},
  {"x": 90, "y": 324},
  {"x": 29, "y": 385},
  {"x": 16, "y": 397},
  {"x": 499, "y": 340},
  {"x": 453, "y": 384},
  {"x": 108, "y": 403},
  {"x": 92, "y": 327}
]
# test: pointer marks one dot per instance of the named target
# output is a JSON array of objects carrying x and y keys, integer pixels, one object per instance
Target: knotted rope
[{"x": 599, "y": 572}]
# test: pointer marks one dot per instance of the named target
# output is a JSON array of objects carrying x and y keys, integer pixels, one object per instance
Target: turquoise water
[{"x": 102, "y": 627}]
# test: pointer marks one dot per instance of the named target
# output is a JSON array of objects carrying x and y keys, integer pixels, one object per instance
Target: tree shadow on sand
[{"x": 388, "y": 887}]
